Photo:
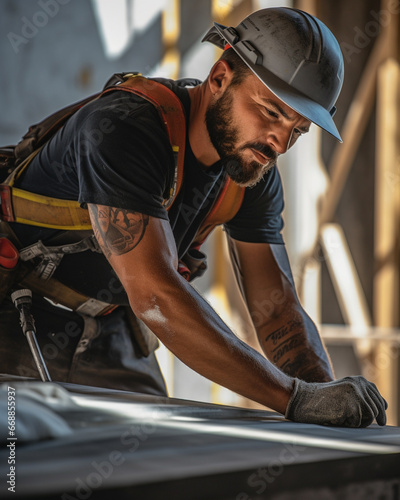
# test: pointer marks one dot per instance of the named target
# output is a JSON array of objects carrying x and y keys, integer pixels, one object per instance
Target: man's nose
[{"x": 281, "y": 139}]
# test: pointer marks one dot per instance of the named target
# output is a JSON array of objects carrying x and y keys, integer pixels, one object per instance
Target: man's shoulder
[
  {"x": 179, "y": 88},
  {"x": 118, "y": 105},
  {"x": 123, "y": 106}
]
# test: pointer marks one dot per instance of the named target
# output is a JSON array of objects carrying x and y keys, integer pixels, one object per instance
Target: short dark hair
[{"x": 237, "y": 65}]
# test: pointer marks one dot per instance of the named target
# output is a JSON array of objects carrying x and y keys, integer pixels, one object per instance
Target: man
[{"x": 280, "y": 71}]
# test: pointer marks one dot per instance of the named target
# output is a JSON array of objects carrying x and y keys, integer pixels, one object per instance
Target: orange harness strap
[
  {"x": 224, "y": 209},
  {"x": 172, "y": 114},
  {"x": 29, "y": 208},
  {"x": 230, "y": 198}
]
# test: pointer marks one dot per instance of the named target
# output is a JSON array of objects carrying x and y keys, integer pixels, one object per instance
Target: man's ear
[{"x": 220, "y": 77}]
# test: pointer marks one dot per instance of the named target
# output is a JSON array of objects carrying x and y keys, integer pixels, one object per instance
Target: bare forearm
[
  {"x": 194, "y": 332},
  {"x": 142, "y": 252},
  {"x": 191, "y": 329},
  {"x": 287, "y": 335},
  {"x": 293, "y": 344}
]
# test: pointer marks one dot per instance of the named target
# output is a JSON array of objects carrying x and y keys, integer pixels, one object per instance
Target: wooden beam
[
  {"x": 387, "y": 233},
  {"x": 353, "y": 130},
  {"x": 344, "y": 277},
  {"x": 170, "y": 63},
  {"x": 310, "y": 6},
  {"x": 231, "y": 12},
  {"x": 358, "y": 116},
  {"x": 347, "y": 285},
  {"x": 387, "y": 193}
]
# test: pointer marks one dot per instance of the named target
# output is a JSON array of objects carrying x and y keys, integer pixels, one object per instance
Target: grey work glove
[{"x": 347, "y": 402}]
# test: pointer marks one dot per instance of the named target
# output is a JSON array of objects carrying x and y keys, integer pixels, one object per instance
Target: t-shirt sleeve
[
  {"x": 124, "y": 158},
  {"x": 259, "y": 219}
]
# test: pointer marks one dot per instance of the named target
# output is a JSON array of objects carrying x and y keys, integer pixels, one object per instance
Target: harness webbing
[
  {"x": 21, "y": 206},
  {"x": 172, "y": 114},
  {"x": 225, "y": 207},
  {"x": 37, "y": 210}
]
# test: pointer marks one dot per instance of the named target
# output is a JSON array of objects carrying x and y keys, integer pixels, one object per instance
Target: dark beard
[
  {"x": 223, "y": 135},
  {"x": 246, "y": 174}
]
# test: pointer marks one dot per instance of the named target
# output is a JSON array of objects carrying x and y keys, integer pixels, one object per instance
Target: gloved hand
[{"x": 347, "y": 402}]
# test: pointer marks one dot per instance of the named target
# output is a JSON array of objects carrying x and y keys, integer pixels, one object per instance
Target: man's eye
[
  {"x": 300, "y": 132},
  {"x": 272, "y": 113}
]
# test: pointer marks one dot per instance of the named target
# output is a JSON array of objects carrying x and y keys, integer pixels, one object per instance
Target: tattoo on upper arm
[{"x": 117, "y": 230}]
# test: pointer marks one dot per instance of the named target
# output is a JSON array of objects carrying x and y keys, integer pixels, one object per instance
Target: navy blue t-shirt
[{"x": 115, "y": 151}]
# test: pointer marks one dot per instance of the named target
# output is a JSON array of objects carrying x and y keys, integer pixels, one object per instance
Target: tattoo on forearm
[
  {"x": 302, "y": 366},
  {"x": 291, "y": 350},
  {"x": 292, "y": 367},
  {"x": 287, "y": 346},
  {"x": 282, "y": 332},
  {"x": 285, "y": 340},
  {"x": 117, "y": 230}
]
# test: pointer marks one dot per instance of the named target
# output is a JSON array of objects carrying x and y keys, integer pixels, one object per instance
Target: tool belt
[
  {"x": 33, "y": 268},
  {"x": 19, "y": 269}
]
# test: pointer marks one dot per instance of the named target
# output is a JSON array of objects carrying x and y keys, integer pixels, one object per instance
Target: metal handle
[{"x": 22, "y": 300}]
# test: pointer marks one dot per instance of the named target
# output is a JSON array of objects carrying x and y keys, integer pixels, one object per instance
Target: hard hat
[{"x": 295, "y": 55}]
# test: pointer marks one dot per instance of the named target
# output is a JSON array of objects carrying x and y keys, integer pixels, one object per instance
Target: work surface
[{"x": 143, "y": 447}]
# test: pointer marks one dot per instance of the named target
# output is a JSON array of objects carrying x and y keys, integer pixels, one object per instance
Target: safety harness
[{"x": 38, "y": 262}]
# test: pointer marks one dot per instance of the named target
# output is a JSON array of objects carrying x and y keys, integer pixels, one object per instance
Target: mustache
[{"x": 264, "y": 149}]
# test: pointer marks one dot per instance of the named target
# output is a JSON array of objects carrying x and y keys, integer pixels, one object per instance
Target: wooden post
[
  {"x": 387, "y": 233},
  {"x": 170, "y": 36},
  {"x": 387, "y": 189},
  {"x": 353, "y": 130}
]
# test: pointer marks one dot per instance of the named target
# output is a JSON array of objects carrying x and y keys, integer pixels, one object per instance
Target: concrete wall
[{"x": 51, "y": 59}]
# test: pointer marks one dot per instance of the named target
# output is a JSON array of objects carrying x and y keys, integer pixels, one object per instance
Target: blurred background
[{"x": 342, "y": 200}]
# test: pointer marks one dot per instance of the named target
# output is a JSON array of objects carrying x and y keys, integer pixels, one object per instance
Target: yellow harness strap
[
  {"x": 49, "y": 212},
  {"x": 21, "y": 206},
  {"x": 37, "y": 210},
  {"x": 44, "y": 211}
]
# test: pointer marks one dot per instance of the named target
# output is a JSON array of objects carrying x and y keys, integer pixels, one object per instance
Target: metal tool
[{"x": 22, "y": 299}]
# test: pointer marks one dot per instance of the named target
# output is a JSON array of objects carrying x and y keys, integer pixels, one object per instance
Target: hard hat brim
[{"x": 296, "y": 100}]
